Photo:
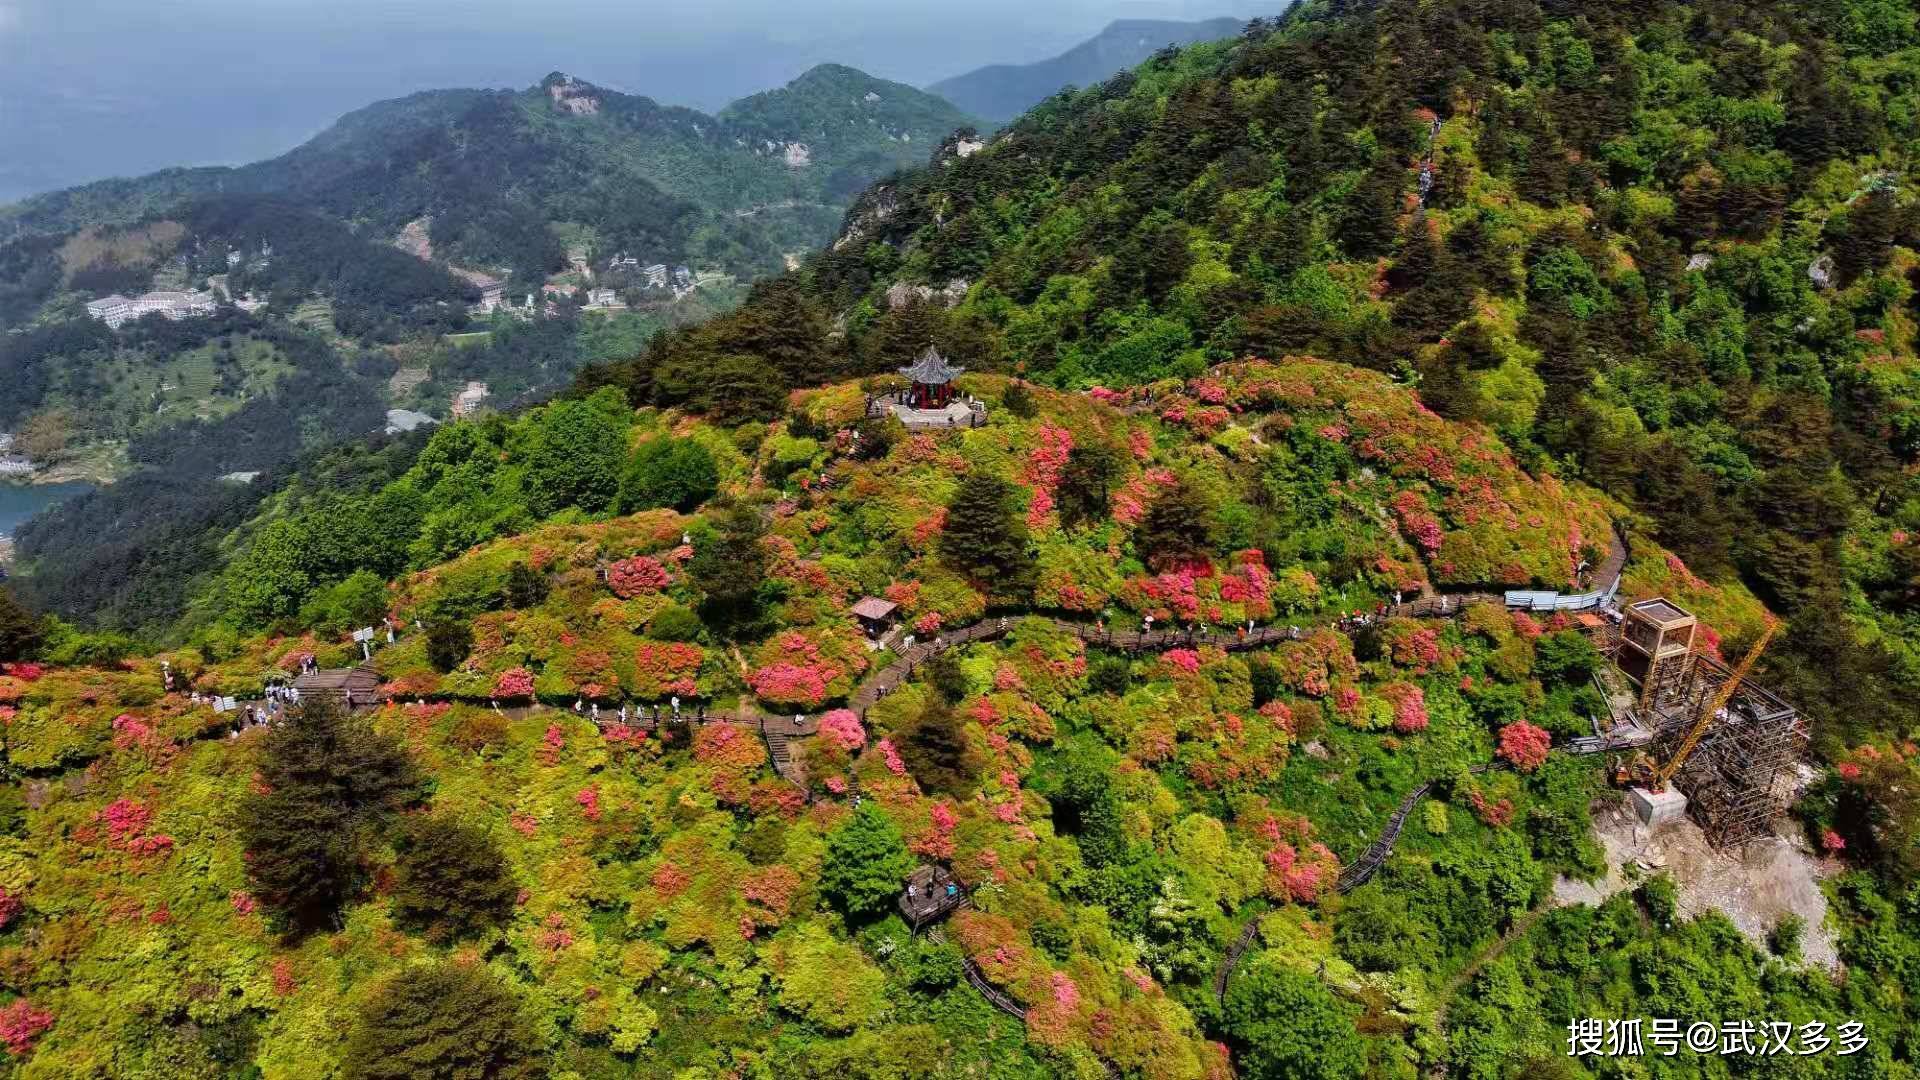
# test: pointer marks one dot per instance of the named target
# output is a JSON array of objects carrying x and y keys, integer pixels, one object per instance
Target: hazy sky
[{"x": 96, "y": 88}]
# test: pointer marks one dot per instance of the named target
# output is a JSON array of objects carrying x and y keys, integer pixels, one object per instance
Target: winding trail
[{"x": 1486, "y": 956}]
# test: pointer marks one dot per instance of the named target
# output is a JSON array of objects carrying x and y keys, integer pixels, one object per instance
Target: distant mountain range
[
  {"x": 514, "y": 179},
  {"x": 1003, "y": 91}
]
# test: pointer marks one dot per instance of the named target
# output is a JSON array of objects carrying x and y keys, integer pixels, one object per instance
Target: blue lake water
[{"x": 18, "y": 502}]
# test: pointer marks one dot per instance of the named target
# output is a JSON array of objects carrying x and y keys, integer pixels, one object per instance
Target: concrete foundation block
[{"x": 1657, "y": 808}]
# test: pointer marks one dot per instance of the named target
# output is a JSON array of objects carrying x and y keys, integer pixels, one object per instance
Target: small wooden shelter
[{"x": 875, "y": 615}]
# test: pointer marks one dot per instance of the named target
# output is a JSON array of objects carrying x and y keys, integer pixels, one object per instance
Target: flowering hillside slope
[{"x": 628, "y": 896}]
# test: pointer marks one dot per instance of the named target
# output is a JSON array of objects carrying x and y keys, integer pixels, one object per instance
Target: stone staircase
[{"x": 780, "y": 752}]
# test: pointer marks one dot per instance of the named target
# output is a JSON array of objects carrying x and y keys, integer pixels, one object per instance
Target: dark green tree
[
  {"x": 442, "y": 1021},
  {"x": 1086, "y": 484},
  {"x": 667, "y": 472},
  {"x": 21, "y": 631},
  {"x": 947, "y": 677},
  {"x": 574, "y": 453},
  {"x": 1565, "y": 657},
  {"x": 984, "y": 536},
  {"x": 1085, "y": 805},
  {"x": 1287, "y": 1026},
  {"x": 937, "y": 752},
  {"x": 452, "y": 879},
  {"x": 328, "y": 784},
  {"x": 1367, "y": 223},
  {"x": 526, "y": 588},
  {"x": 1018, "y": 400},
  {"x": 784, "y": 329},
  {"x": 867, "y": 863},
  {"x": 1178, "y": 527},
  {"x": 674, "y": 623},
  {"x": 448, "y": 643},
  {"x": 726, "y": 387},
  {"x": 729, "y": 567}
]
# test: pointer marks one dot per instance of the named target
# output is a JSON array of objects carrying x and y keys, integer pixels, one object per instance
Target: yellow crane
[{"x": 1654, "y": 777}]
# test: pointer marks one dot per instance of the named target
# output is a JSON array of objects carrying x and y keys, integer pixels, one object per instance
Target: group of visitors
[{"x": 633, "y": 714}]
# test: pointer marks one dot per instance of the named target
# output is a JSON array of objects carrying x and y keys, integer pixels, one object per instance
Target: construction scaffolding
[
  {"x": 1656, "y": 650},
  {"x": 1739, "y": 778}
]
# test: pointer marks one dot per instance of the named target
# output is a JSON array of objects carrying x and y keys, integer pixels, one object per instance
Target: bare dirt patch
[
  {"x": 416, "y": 239},
  {"x": 404, "y": 381},
  {"x": 1754, "y": 887},
  {"x": 135, "y": 245}
]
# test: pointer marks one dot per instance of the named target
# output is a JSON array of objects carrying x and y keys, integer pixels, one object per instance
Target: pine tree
[
  {"x": 327, "y": 784},
  {"x": 729, "y": 569},
  {"x": 984, "y": 537},
  {"x": 21, "y": 631},
  {"x": 1179, "y": 527},
  {"x": 448, "y": 643},
  {"x": 452, "y": 878},
  {"x": 442, "y": 1021},
  {"x": 526, "y": 588},
  {"x": 1086, "y": 483},
  {"x": 936, "y": 751}
]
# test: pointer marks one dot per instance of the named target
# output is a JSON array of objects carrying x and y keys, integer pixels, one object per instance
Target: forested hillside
[
  {"x": 347, "y": 250},
  {"x": 1665, "y": 248}
]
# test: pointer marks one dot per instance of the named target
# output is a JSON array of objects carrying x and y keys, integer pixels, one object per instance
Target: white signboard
[{"x": 365, "y": 633}]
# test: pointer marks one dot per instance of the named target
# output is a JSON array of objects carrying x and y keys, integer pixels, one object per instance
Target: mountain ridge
[
  {"x": 1001, "y": 92},
  {"x": 625, "y": 167}
]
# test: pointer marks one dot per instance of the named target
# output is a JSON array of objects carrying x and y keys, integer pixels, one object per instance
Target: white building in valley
[
  {"x": 116, "y": 310},
  {"x": 467, "y": 401},
  {"x": 112, "y": 310}
]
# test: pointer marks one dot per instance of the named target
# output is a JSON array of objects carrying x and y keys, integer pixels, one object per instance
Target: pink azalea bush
[
  {"x": 21, "y": 1025},
  {"x": 1525, "y": 745},
  {"x": 514, "y": 683},
  {"x": 792, "y": 684},
  {"x": 800, "y": 670},
  {"x": 633, "y": 577},
  {"x": 1185, "y": 660},
  {"x": 841, "y": 729},
  {"x": 1409, "y": 707},
  {"x": 662, "y": 669}
]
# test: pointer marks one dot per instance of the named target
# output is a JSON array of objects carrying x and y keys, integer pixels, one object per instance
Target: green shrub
[{"x": 671, "y": 473}]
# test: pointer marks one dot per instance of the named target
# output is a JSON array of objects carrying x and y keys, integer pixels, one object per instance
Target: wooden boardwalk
[
  {"x": 1234, "y": 952},
  {"x": 1355, "y": 875},
  {"x": 994, "y": 995}
]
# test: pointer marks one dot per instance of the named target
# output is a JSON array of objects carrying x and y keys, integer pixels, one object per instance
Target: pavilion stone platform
[
  {"x": 930, "y": 400},
  {"x": 956, "y": 414}
]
